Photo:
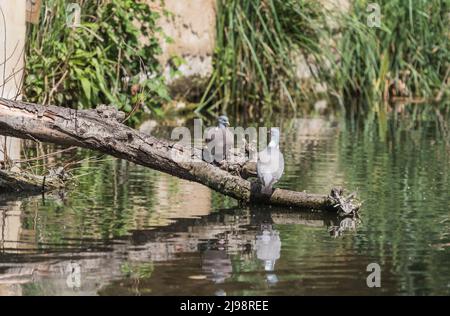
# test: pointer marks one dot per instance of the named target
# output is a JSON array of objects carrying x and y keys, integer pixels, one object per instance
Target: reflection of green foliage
[
  {"x": 219, "y": 201},
  {"x": 33, "y": 289},
  {"x": 242, "y": 264},
  {"x": 137, "y": 270},
  {"x": 100, "y": 206},
  {"x": 84, "y": 66},
  {"x": 403, "y": 175}
]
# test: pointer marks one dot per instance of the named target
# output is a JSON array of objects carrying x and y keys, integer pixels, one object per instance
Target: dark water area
[{"x": 129, "y": 230}]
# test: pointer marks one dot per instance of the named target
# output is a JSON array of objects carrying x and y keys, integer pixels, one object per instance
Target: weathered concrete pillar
[
  {"x": 12, "y": 42},
  {"x": 12, "y": 49},
  {"x": 192, "y": 26}
]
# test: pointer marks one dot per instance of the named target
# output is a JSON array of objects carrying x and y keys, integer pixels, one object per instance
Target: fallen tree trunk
[{"x": 102, "y": 130}]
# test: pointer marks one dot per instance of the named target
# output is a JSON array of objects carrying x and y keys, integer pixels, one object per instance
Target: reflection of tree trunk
[
  {"x": 101, "y": 130},
  {"x": 10, "y": 226},
  {"x": 11, "y": 76}
]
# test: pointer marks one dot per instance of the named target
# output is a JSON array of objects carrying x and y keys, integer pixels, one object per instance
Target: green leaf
[{"x": 86, "y": 85}]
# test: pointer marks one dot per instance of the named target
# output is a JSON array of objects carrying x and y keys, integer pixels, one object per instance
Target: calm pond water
[{"x": 128, "y": 230}]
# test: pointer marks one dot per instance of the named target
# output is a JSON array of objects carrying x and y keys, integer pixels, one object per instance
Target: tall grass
[
  {"x": 258, "y": 42},
  {"x": 408, "y": 56}
]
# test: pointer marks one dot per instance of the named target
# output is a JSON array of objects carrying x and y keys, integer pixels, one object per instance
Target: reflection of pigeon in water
[
  {"x": 220, "y": 293},
  {"x": 73, "y": 279},
  {"x": 268, "y": 247},
  {"x": 217, "y": 265},
  {"x": 219, "y": 141},
  {"x": 270, "y": 165},
  {"x": 272, "y": 278}
]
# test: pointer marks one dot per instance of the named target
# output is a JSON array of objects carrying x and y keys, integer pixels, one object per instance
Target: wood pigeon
[{"x": 219, "y": 141}]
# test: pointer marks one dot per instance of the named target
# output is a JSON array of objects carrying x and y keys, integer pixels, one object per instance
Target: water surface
[{"x": 128, "y": 230}]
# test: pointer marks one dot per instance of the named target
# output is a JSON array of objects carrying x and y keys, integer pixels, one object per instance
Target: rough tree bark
[{"x": 102, "y": 130}]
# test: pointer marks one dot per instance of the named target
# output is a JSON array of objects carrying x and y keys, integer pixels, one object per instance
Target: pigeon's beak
[{"x": 227, "y": 123}]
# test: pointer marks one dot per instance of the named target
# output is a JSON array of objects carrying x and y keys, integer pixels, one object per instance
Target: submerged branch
[{"x": 19, "y": 182}]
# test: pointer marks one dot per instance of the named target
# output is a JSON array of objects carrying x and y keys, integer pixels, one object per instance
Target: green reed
[
  {"x": 408, "y": 56},
  {"x": 257, "y": 44}
]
